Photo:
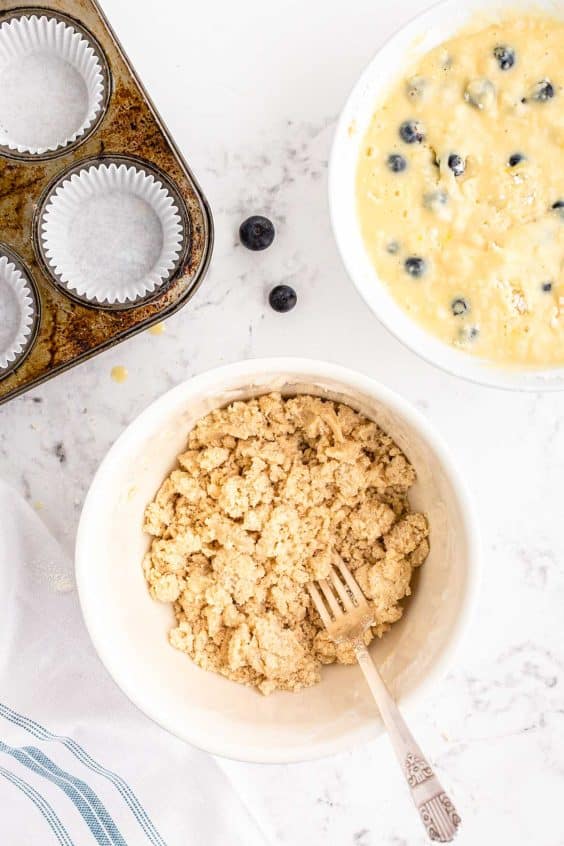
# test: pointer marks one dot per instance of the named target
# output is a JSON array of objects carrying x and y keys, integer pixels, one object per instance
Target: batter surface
[
  {"x": 460, "y": 190},
  {"x": 264, "y": 494}
]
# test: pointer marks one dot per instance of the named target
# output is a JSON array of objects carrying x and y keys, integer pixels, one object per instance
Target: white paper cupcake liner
[
  {"x": 111, "y": 233},
  {"x": 17, "y": 312},
  {"x": 51, "y": 84}
]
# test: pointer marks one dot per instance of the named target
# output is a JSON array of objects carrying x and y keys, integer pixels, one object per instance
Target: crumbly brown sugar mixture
[{"x": 265, "y": 493}]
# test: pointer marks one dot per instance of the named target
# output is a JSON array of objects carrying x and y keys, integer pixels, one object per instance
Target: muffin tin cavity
[
  {"x": 18, "y": 312},
  {"x": 54, "y": 85},
  {"x": 112, "y": 233}
]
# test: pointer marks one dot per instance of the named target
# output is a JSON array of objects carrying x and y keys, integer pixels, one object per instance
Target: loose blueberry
[
  {"x": 456, "y": 164},
  {"x": 459, "y": 307},
  {"x": 505, "y": 56},
  {"x": 282, "y": 298},
  {"x": 480, "y": 93},
  {"x": 559, "y": 204},
  {"x": 393, "y": 248},
  {"x": 515, "y": 159},
  {"x": 546, "y": 287},
  {"x": 415, "y": 266},
  {"x": 543, "y": 91},
  {"x": 257, "y": 232},
  {"x": 396, "y": 163},
  {"x": 411, "y": 132}
]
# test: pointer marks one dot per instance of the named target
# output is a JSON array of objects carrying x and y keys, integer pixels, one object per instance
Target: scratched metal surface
[{"x": 68, "y": 331}]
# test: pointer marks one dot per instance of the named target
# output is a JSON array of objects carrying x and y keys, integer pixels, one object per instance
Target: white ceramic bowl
[
  {"x": 416, "y": 38},
  {"x": 129, "y": 629}
]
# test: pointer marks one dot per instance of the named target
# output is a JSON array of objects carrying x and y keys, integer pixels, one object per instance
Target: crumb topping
[{"x": 266, "y": 492}]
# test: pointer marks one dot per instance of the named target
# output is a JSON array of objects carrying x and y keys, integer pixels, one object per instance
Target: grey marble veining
[{"x": 256, "y": 123}]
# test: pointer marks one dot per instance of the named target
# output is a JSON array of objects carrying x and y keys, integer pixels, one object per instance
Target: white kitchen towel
[{"x": 79, "y": 764}]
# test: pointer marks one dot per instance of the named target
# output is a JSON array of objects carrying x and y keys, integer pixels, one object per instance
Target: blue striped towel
[{"x": 79, "y": 765}]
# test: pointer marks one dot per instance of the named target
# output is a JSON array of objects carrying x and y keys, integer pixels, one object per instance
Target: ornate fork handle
[{"x": 437, "y": 812}]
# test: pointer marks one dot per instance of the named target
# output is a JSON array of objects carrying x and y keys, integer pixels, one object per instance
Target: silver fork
[{"x": 346, "y": 615}]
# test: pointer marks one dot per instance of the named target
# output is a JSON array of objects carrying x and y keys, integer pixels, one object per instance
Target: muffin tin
[{"x": 104, "y": 230}]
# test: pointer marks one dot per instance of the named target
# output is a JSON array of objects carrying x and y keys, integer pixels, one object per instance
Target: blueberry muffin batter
[{"x": 460, "y": 191}]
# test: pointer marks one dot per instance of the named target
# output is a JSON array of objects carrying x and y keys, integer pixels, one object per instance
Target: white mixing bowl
[
  {"x": 129, "y": 629},
  {"x": 415, "y": 39}
]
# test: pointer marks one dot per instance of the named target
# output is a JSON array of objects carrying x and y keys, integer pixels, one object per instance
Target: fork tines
[{"x": 341, "y": 594}]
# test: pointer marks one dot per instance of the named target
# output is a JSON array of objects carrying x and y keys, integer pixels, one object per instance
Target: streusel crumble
[{"x": 265, "y": 493}]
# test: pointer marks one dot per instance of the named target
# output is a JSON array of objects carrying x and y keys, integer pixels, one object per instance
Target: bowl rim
[
  {"x": 295, "y": 367},
  {"x": 439, "y": 354}
]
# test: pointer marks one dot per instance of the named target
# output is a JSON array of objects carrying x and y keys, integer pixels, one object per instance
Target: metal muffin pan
[
  {"x": 68, "y": 327},
  {"x": 10, "y": 255}
]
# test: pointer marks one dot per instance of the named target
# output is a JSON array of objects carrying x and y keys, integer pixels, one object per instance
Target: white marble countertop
[{"x": 251, "y": 92}]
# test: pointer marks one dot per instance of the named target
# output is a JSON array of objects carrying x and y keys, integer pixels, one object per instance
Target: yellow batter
[{"x": 460, "y": 191}]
